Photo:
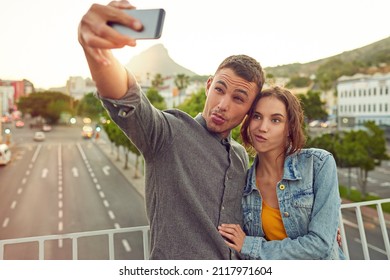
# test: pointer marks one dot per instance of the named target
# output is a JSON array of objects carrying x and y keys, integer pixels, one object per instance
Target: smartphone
[{"x": 152, "y": 20}]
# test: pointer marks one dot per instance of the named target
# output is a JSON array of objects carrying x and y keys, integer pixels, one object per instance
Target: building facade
[{"x": 363, "y": 98}]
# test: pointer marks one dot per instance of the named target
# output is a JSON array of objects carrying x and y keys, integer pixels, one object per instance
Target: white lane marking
[
  {"x": 5, "y": 223},
  {"x": 106, "y": 170},
  {"x": 24, "y": 181},
  {"x": 379, "y": 250},
  {"x": 60, "y": 196},
  {"x": 75, "y": 172},
  {"x": 111, "y": 214},
  {"x": 98, "y": 187},
  {"x": 126, "y": 245},
  {"x": 117, "y": 226},
  {"x": 45, "y": 171},
  {"x": 106, "y": 204},
  {"x": 348, "y": 223},
  {"x": 60, "y": 226},
  {"x": 60, "y": 204},
  {"x": 20, "y": 190},
  {"x": 27, "y": 172},
  {"x": 13, "y": 205},
  {"x": 81, "y": 152},
  {"x": 60, "y": 214},
  {"x": 34, "y": 158},
  {"x": 102, "y": 194}
]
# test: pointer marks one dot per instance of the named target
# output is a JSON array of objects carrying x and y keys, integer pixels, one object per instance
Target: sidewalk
[{"x": 111, "y": 153}]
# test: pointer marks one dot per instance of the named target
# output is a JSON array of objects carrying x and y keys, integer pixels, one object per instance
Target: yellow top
[{"x": 272, "y": 223}]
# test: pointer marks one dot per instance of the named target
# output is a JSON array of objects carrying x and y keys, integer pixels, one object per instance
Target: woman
[{"x": 291, "y": 199}]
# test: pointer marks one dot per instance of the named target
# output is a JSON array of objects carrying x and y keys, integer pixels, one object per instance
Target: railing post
[
  {"x": 2, "y": 251},
  {"x": 75, "y": 253},
  {"x": 343, "y": 236},
  {"x": 41, "y": 248},
  {"x": 111, "y": 254},
  {"x": 145, "y": 240},
  {"x": 382, "y": 223},
  {"x": 362, "y": 233}
]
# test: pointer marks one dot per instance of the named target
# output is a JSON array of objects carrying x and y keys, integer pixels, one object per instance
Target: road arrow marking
[
  {"x": 44, "y": 172},
  {"x": 106, "y": 170},
  {"x": 75, "y": 172}
]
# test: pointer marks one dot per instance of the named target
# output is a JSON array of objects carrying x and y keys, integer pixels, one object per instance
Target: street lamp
[{"x": 7, "y": 132}]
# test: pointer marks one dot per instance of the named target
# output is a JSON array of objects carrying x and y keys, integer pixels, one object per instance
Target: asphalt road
[{"x": 66, "y": 184}]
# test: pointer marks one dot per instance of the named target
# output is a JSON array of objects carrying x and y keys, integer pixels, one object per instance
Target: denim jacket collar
[{"x": 291, "y": 172}]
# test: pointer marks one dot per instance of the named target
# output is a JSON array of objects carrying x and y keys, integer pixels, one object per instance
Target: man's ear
[{"x": 208, "y": 84}]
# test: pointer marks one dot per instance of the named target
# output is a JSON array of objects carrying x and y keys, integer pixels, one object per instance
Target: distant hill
[
  {"x": 370, "y": 55},
  {"x": 156, "y": 60}
]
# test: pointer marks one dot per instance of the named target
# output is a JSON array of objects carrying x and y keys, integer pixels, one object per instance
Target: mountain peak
[{"x": 156, "y": 60}]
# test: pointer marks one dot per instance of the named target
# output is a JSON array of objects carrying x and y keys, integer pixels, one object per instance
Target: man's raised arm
[{"x": 97, "y": 40}]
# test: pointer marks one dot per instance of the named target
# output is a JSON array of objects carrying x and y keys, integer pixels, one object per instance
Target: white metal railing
[
  {"x": 357, "y": 206},
  {"x": 74, "y": 240}
]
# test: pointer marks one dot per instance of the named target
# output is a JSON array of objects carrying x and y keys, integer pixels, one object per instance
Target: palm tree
[
  {"x": 157, "y": 81},
  {"x": 182, "y": 81}
]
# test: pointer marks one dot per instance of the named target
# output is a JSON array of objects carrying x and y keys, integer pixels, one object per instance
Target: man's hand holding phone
[{"x": 116, "y": 25}]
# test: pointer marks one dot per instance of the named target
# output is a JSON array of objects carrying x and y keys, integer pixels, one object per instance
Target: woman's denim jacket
[{"x": 309, "y": 203}]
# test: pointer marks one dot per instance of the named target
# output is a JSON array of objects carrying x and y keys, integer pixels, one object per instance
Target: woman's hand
[{"x": 234, "y": 235}]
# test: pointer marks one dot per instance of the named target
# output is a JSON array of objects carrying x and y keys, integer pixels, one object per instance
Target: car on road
[
  {"x": 19, "y": 124},
  {"x": 46, "y": 128},
  {"x": 39, "y": 136},
  {"x": 87, "y": 132},
  {"x": 5, "y": 154}
]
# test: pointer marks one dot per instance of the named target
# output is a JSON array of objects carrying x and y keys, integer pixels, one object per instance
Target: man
[{"x": 195, "y": 172}]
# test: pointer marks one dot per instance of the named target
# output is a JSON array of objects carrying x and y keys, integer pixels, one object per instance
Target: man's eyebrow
[{"x": 238, "y": 90}]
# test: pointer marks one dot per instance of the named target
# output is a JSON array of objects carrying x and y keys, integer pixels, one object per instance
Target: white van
[{"x": 5, "y": 154}]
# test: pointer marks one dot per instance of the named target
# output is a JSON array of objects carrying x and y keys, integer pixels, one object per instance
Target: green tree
[
  {"x": 89, "y": 106},
  {"x": 194, "y": 104},
  {"x": 361, "y": 150},
  {"x": 329, "y": 72},
  {"x": 312, "y": 105},
  {"x": 157, "y": 81},
  {"x": 299, "y": 82},
  {"x": 156, "y": 99},
  {"x": 48, "y": 104},
  {"x": 181, "y": 81}
]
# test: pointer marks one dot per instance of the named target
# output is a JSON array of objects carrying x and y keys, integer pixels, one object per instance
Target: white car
[
  {"x": 5, "y": 154},
  {"x": 39, "y": 136}
]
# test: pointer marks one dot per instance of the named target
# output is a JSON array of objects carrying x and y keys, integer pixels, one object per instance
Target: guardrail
[
  {"x": 357, "y": 207},
  {"x": 74, "y": 237}
]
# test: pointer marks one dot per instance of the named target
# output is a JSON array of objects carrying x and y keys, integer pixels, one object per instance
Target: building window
[{"x": 380, "y": 107}]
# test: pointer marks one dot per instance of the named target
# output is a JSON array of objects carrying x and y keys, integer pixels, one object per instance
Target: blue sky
[{"x": 39, "y": 38}]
